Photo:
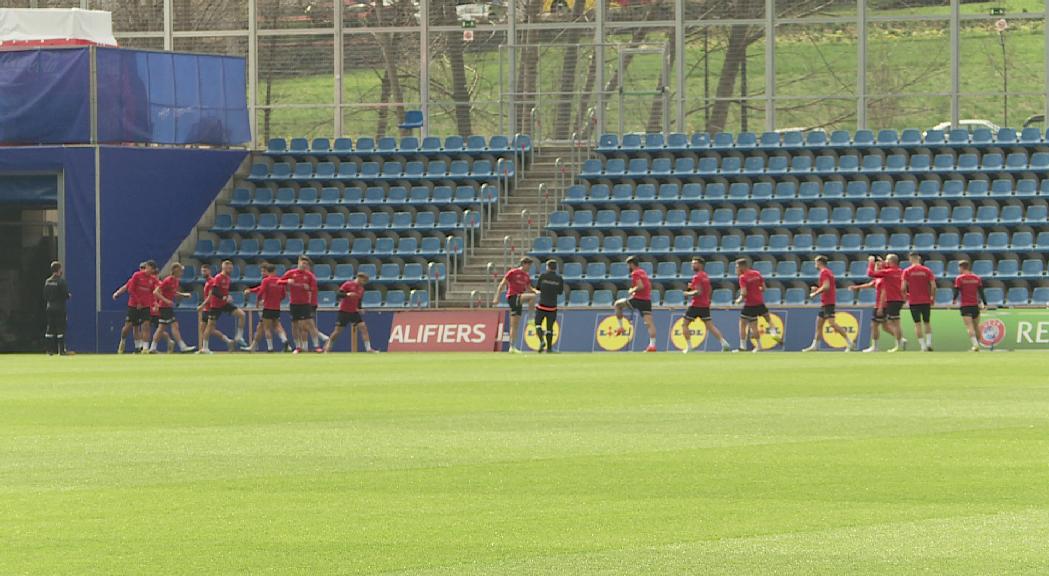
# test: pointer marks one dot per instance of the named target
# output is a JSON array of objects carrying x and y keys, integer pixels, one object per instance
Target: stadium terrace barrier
[{"x": 592, "y": 330}]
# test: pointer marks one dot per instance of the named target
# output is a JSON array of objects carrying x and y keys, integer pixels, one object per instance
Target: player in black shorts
[
  {"x": 56, "y": 293},
  {"x": 550, "y": 285}
]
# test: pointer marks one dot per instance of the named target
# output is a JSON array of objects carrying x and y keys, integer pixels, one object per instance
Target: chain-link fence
[{"x": 355, "y": 67}]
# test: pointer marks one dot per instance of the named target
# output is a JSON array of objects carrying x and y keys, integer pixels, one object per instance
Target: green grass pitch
[{"x": 484, "y": 464}]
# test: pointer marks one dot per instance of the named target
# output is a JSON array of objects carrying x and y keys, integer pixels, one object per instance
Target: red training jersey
[
  {"x": 517, "y": 282},
  {"x": 314, "y": 291},
  {"x": 299, "y": 286},
  {"x": 918, "y": 279},
  {"x": 168, "y": 289},
  {"x": 892, "y": 281},
  {"x": 968, "y": 286},
  {"x": 219, "y": 291},
  {"x": 879, "y": 294},
  {"x": 828, "y": 297},
  {"x": 270, "y": 293},
  {"x": 701, "y": 282},
  {"x": 140, "y": 289},
  {"x": 352, "y": 301},
  {"x": 640, "y": 279},
  {"x": 752, "y": 283},
  {"x": 209, "y": 283}
]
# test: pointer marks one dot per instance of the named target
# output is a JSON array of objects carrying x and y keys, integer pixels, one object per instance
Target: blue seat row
[
  {"x": 406, "y": 145},
  {"x": 686, "y": 167},
  {"x": 291, "y": 248},
  {"x": 821, "y": 216},
  {"x": 386, "y": 171},
  {"x": 656, "y": 142},
  {"x": 373, "y": 195},
  {"x": 285, "y": 222},
  {"x": 805, "y": 243},
  {"x": 806, "y": 190}
]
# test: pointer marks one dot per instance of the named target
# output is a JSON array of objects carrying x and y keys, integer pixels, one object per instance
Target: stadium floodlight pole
[
  {"x": 956, "y": 81},
  {"x": 679, "y": 61},
  {"x": 861, "y": 68},
  {"x": 424, "y": 68},
  {"x": 770, "y": 64},
  {"x": 169, "y": 16}
]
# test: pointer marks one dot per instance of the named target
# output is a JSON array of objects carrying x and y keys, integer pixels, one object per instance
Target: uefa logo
[{"x": 992, "y": 332}]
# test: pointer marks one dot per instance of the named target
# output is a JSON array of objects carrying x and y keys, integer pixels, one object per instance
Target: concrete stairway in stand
[{"x": 519, "y": 221}]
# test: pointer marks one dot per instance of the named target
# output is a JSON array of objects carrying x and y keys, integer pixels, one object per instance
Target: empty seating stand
[
  {"x": 782, "y": 198},
  {"x": 397, "y": 209}
]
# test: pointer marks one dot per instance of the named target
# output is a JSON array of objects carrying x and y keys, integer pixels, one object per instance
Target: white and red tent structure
[{"x": 21, "y": 28}]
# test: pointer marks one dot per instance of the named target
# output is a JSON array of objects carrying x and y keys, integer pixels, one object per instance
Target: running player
[
  {"x": 968, "y": 293},
  {"x": 892, "y": 287},
  {"x": 269, "y": 295},
  {"x": 202, "y": 308},
  {"x": 519, "y": 293},
  {"x": 165, "y": 294},
  {"x": 919, "y": 286},
  {"x": 639, "y": 300},
  {"x": 752, "y": 296},
  {"x": 320, "y": 339},
  {"x": 56, "y": 293},
  {"x": 351, "y": 293},
  {"x": 878, "y": 318},
  {"x": 827, "y": 290},
  {"x": 139, "y": 290},
  {"x": 300, "y": 282},
  {"x": 219, "y": 302},
  {"x": 699, "y": 291},
  {"x": 551, "y": 286}
]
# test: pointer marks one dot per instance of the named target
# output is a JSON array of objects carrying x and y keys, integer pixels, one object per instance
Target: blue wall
[
  {"x": 78, "y": 168},
  {"x": 151, "y": 198},
  {"x": 45, "y": 96}
]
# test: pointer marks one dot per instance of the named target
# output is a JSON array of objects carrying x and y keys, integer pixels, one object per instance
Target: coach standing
[{"x": 56, "y": 293}]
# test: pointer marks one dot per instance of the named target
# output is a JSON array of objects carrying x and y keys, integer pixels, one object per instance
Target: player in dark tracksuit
[
  {"x": 56, "y": 292},
  {"x": 550, "y": 286}
]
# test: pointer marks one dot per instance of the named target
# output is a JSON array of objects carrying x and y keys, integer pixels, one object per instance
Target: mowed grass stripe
[{"x": 459, "y": 464}]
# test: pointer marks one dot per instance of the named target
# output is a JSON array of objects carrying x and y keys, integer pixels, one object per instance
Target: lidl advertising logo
[
  {"x": 532, "y": 337},
  {"x": 611, "y": 337},
  {"x": 770, "y": 337},
  {"x": 848, "y": 323},
  {"x": 697, "y": 333}
]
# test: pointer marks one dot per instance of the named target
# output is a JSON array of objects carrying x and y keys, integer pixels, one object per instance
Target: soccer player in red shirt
[
  {"x": 519, "y": 293},
  {"x": 219, "y": 302},
  {"x": 351, "y": 292},
  {"x": 919, "y": 287},
  {"x": 320, "y": 339},
  {"x": 878, "y": 319},
  {"x": 968, "y": 292},
  {"x": 139, "y": 289},
  {"x": 639, "y": 300},
  {"x": 166, "y": 293},
  {"x": 269, "y": 295},
  {"x": 699, "y": 291},
  {"x": 301, "y": 283},
  {"x": 892, "y": 286},
  {"x": 752, "y": 295},
  {"x": 828, "y": 293}
]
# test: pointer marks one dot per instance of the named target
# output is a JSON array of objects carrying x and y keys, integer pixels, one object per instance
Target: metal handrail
[
  {"x": 526, "y": 223},
  {"x": 490, "y": 274},
  {"x": 544, "y": 198},
  {"x": 507, "y": 247}
]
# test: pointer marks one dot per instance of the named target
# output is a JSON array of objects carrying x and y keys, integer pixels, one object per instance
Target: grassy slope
[{"x": 606, "y": 464}]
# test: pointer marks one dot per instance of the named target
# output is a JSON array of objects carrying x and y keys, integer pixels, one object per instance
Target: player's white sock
[
  {"x": 742, "y": 343},
  {"x": 976, "y": 343},
  {"x": 324, "y": 337},
  {"x": 240, "y": 334},
  {"x": 367, "y": 345},
  {"x": 725, "y": 344},
  {"x": 928, "y": 340},
  {"x": 620, "y": 320},
  {"x": 153, "y": 346},
  {"x": 315, "y": 340},
  {"x": 921, "y": 342},
  {"x": 269, "y": 344}
]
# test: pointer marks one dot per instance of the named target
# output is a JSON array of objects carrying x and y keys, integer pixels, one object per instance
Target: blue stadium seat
[
  {"x": 995, "y": 296},
  {"x": 1008, "y": 268},
  {"x": 963, "y": 214},
  {"x": 1040, "y": 295},
  {"x": 683, "y": 243},
  {"x": 1017, "y": 296},
  {"x": 795, "y": 297},
  {"x": 948, "y": 241}
]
